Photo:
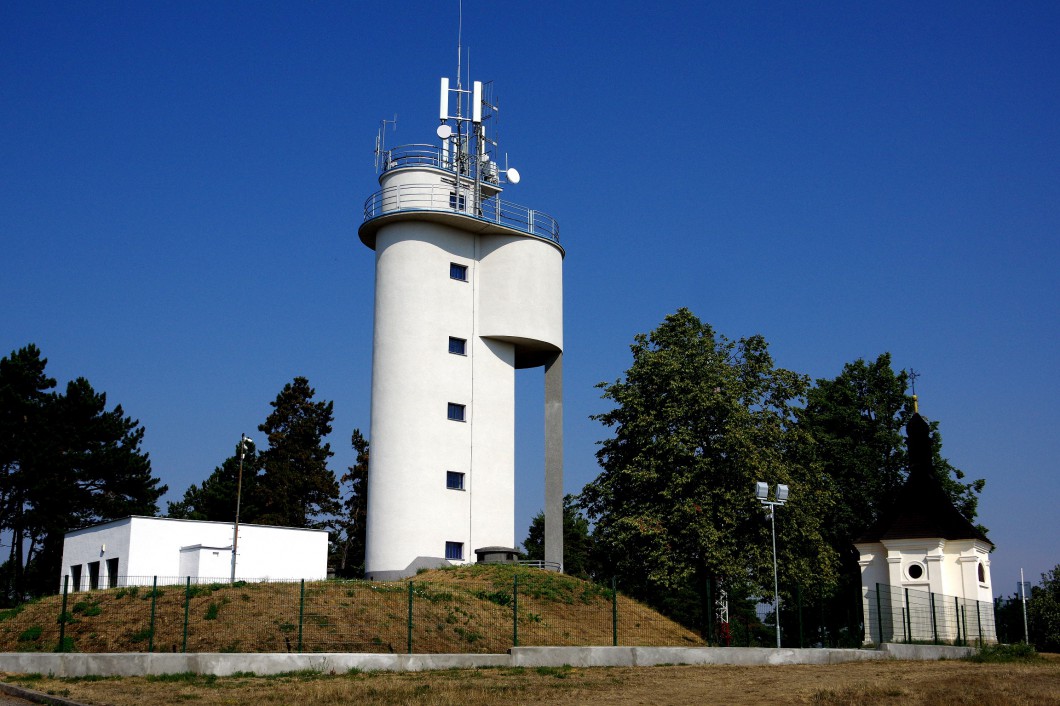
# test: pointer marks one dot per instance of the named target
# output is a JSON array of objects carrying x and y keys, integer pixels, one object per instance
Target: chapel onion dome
[{"x": 923, "y": 508}]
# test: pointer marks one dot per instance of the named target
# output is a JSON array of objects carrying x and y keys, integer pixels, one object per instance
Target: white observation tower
[{"x": 468, "y": 288}]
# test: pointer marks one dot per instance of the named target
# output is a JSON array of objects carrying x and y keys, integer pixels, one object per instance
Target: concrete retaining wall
[
  {"x": 135, "y": 664},
  {"x": 926, "y": 652},
  {"x": 650, "y": 656}
]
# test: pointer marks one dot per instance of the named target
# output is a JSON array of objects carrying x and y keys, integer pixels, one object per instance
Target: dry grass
[
  {"x": 945, "y": 683},
  {"x": 465, "y": 609}
]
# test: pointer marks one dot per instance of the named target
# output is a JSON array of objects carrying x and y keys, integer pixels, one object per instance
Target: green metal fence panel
[
  {"x": 63, "y": 617},
  {"x": 465, "y": 612},
  {"x": 154, "y": 597}
]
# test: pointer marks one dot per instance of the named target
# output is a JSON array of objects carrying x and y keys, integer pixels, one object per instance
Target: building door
[
  {"x": 112, "y": 573},
  {"x": 75, "y": 577},
  {"x": 93, "y": 575}
]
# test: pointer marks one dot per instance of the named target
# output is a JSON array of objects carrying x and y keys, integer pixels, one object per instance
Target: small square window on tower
[
  {"x": 457, "y": 203},
  {"x": 457, "y": 346},
  {"x": 454, "y": 550},
  {"x": 458, "y": 272},
  {"x": 454, "y": 480},
  {"x": 457, "y": 412}
]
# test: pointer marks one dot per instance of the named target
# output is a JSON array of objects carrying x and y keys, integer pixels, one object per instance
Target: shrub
[
  {"x": 31, "y": 634},
  {"x": 1019, "y": 652}
]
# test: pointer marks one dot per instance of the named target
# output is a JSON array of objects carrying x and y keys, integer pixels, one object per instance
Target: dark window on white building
[
  {"x": 454, "y": 480},
  {"x": 458, "y": 271},
  {"x": 457, "y": 346},
  {"x": 456, "y": 412},
  {"x": 454, "y": 550}
]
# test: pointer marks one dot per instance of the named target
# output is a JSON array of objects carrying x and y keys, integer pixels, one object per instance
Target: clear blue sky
[{"x": 181, "y": 185}]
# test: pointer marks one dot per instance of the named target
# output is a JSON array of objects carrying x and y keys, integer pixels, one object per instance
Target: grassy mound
[{"x": 459, "y": 609}]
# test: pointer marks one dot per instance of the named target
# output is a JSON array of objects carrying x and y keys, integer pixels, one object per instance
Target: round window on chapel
[{"x": 915, "y": 571}]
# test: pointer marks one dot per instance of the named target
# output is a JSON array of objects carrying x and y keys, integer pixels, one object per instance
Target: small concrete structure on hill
[{"x": 134, "y": 550}]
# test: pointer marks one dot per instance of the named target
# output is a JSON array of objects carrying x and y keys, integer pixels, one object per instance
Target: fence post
[
  {"x": 515, "y": 610},
  {"x": 934, "y": 624},
  {"x": 614, "y": 613},
  {"x": 154, "y": 597},
  {"x": 301, "y": 613},
  {"x": 964, "y": 621},
  {"x": 908, "y": 618},
  {"x": 879, "y": 615},
  {"x": 410, "y": 619},
  {"x": 956, "y": 617},
  {"x": 708, "y": 619},
  {"x": 979, "y": 623},
  {"x": 187, "y": 600},
  {"x": 798, "y": 594},
  {"x": 62, "y": 616}
]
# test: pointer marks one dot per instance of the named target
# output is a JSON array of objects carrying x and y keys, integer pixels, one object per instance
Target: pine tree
[
  {"x": 215, "y": 500},
  {"x": 68, "y": 462},
  {"x": 350, "y": 537},
  {"x": 296, "y": 488}
]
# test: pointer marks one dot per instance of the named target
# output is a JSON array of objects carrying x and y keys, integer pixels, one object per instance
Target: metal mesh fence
[{"x": 896, "y": 614}]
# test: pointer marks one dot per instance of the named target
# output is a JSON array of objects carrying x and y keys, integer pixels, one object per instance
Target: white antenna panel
[
  {"x": 443, "y": 112},
  {"x": 513, "y": 175},
  {"x": 476, "y": 103}
]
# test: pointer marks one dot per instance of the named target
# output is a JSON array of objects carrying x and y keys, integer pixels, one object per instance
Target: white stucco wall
[
  {"x": 511, "y": 302},
  {"x": 146, "y": 547},
  {"x": 949, "y": 580}
]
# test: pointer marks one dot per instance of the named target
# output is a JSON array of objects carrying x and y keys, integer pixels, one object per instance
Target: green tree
[
  {"x": 698, "y": 419},
  {"x": 857, "y": 421},
  {"x": 68, "y": 462},
  {"x": 578, "y": 559},
  {"x": 215, "y": 500},
  {"x": 297, "y": 489},
  {"x": 1043, "y": 612},
  {"x": 348, "y": 546}
]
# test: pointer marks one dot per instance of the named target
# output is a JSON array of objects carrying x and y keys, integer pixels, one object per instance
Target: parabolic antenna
[
  {"x": 444, "y": 132},
  {"x": 513, "y": 175}
]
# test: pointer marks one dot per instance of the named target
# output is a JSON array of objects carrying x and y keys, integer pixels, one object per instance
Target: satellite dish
[
  {"x": 513, "y": 175},
  {"x": 444, "y": 132}
]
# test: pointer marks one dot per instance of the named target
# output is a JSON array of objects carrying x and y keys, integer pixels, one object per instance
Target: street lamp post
[
  {"x": 1023, "y": 596},
  {"x": 762, "y": 493},
  {"x": 243, "y": 439}
]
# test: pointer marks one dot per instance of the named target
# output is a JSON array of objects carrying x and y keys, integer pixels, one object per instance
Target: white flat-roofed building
[{"x": 134, "y": 550}]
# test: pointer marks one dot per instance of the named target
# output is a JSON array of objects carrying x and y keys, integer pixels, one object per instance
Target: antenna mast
[{"x": 380, "y": 144}]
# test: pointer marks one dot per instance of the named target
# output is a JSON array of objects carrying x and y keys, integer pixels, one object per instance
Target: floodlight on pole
[
  {"x": 243, "y": 440},
  {"x": 762, "y": 493}
]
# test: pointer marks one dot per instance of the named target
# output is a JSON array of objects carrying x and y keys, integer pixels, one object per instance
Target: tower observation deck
[{"x": 469, "y": 288}]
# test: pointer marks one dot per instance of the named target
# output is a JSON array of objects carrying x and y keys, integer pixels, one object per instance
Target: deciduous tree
[
  {"x": 697, "y": 420},
  {"x": 1043, "y": 612}
]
